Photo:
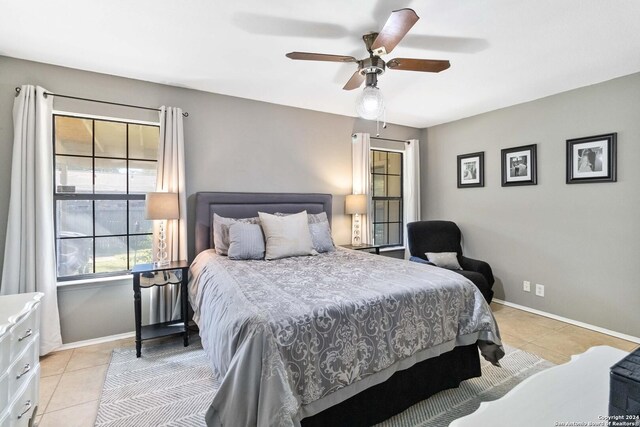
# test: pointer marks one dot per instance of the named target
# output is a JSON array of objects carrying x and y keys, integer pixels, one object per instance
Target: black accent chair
[{"x": 444, "y": 236}]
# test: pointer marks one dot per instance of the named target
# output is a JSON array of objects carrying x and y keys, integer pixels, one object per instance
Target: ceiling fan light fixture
[{"x": 370, "y": 104}]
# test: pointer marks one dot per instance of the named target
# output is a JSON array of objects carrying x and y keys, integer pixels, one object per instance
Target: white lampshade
[
  {"x": 370, "y": 104},
  {"x": 161, "y": 206},
  {"x": 356, "y": 204}
]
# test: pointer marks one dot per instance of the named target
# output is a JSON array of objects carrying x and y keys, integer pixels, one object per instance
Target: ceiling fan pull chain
[
  {"x": 384, "y": 117},
  {"x": 384, "y": 122}
]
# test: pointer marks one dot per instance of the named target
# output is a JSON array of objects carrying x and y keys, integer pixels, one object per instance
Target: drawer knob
[
  {"x": 27, "y": 409},
  {"x": 26, "y": 369},
  {"x": 27, "y": 334}
]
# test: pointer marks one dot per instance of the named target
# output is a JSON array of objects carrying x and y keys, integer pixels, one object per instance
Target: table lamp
[
  {"x": 355, "y": 205},
  {"x": 162, "y": 207}
]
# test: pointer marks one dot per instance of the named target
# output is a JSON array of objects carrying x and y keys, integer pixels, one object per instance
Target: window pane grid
[
  {"x": 99, "y": 196},
  {"x": 386, "y": 179},
  {"x": 87, "y": 156},
  {"x": 103, "y": 235},
  {"x": 124, "y": 237}
]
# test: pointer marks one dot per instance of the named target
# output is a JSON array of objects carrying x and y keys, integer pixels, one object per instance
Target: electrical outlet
[
  {"x": 526, "y": 286},
  {"x": 539, "y": 290}
]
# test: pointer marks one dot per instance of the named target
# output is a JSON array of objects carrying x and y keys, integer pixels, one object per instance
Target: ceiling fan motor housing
[{"x": 371, "y": 68}]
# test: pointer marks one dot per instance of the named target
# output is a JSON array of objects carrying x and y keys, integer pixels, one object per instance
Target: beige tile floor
[{"x": 71, "y": 380}]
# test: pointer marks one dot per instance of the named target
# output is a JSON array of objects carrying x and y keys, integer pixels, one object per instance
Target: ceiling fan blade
[
  {"x": 397, "y": 26},
  {"x": 411, "y": 64},
  {"x": 355, "y": 81},
  {"x": 306, "y": 56}
]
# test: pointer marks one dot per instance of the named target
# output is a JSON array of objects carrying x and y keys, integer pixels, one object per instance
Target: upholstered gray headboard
[{"x": 247, "y": 205}]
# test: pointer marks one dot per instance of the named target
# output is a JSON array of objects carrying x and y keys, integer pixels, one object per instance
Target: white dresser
[{"x": 19, "y": 358}]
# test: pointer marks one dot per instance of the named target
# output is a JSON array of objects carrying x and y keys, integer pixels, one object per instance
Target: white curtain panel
[
  {"x": 29, "y": 254},
  {"x": 165, "y": 301},
  {"x": 411, "y": 188},
  {"x": 361, "y": 147}
]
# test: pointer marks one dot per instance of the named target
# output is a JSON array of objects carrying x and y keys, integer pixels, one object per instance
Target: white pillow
[
  {"x": 444, "y": 259},
  {"x": 286, "y": 236}
]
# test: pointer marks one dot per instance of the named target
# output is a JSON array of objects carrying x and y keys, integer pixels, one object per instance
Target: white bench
[{"x": 576, "y": 392}]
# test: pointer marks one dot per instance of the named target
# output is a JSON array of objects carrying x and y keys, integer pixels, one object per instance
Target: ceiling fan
[{"x": 371, "y": 104}]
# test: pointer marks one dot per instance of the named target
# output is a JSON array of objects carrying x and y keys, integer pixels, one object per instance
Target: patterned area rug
[{"x": 172, "y": 385}]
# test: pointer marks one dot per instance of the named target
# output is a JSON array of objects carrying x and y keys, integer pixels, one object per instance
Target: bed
[{"x": 343, "y": 338}]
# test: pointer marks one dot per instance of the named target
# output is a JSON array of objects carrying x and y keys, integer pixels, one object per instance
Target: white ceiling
[{"x": 502, "y": 52}]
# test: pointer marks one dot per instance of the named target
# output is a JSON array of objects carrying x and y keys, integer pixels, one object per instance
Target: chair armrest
[
  {"x": 479, "y": 266},
  {"x": 420, "y": 260}
]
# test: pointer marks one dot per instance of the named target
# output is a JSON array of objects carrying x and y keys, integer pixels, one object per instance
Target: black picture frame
[
  {"x": 520, "y": 165},
  {"x": 471, "y": 170},
  {"x": 592, "y": 159}
]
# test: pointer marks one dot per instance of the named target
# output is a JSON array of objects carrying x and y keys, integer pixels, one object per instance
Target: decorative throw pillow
[
  {"x": 245, "y": 241},
  {"x": 221, "y": 231},
  {"x": 321, "y": 236},
  {"x": 444, "y": 259},
  {"x": 317, "y": 218},
  {"x": 286, "y": 236}
]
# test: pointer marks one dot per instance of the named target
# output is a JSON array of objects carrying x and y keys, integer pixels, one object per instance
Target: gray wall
[
  {"x": 581, "y": 241},
  {"x": 232, "y": 144}
]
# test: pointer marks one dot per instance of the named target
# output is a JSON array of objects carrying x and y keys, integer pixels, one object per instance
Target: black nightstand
[
  {"x": 363, "y": 247},
  {"x": 149, "y": 275}
]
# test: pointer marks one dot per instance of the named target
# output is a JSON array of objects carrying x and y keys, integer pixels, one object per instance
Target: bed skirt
[{"x": 402, "y": 390}]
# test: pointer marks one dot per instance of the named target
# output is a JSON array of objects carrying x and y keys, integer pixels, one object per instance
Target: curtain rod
[
  {"x": 185, "y": 114},
  {"x": 389, "y": 139}
]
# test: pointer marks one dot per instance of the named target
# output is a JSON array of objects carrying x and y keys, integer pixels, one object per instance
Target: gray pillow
[
  {"x": 316, "y": 218},
  {"x": 221, "y": 231},
  {"x": 321, "y": 236},
  {"x": 245, "y": 241},
  {"x": 286, "y": 236},
  {"x": 444, "y": 259}
]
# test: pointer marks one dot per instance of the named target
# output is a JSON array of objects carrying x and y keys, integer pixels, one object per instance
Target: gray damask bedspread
[{"x": 291, "y": 337}]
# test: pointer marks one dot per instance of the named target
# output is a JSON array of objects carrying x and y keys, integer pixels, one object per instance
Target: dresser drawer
[
  {"x": 23, "y": 367},
  {"x": 23, "y": 332},
  {"x": 23, "y": 407}
]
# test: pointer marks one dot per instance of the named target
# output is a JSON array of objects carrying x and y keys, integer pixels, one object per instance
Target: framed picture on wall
[
  {"x": 471, "y": 170},
  {"x": 592, "y": 159},
  {"x": 519, "y": 166}
]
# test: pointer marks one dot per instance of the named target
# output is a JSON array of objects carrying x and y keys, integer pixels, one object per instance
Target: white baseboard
[
  {"x": 94, "y": 341},
  {"x": 571, "y": 321}
]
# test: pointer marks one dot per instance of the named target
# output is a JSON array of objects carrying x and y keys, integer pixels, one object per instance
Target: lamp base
[
  {"x": 161, "y": 263},
  {"x": 161, "y": 258},
  {"x": 356, "y": 239}
]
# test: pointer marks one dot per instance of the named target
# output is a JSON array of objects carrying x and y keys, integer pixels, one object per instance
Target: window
[
  {"x": 103, "y": 168},
  {"x": 386, "y": 183}
]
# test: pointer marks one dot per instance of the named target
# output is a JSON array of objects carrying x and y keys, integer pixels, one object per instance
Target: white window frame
[
  {"x": 92, "y": 278},
  {"x": 384, "y": 147}
]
